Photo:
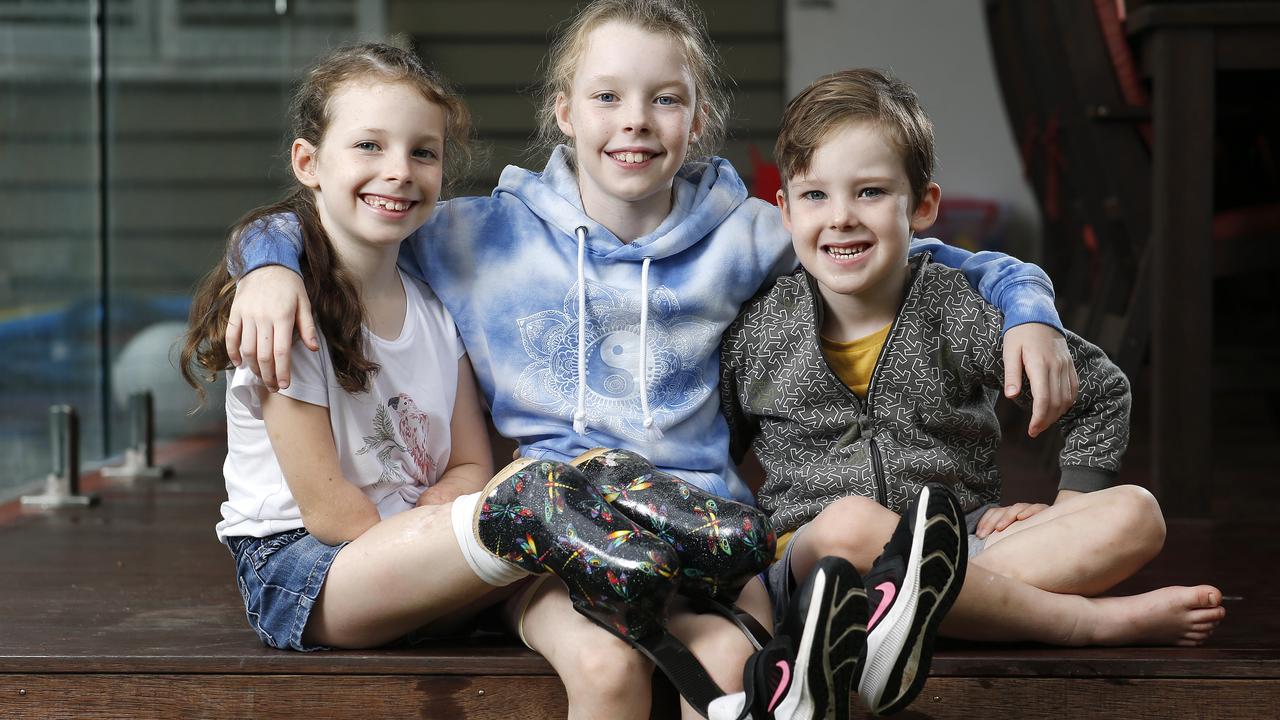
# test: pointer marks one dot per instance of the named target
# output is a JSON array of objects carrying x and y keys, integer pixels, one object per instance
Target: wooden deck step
[{"x": 129, "y": 609}]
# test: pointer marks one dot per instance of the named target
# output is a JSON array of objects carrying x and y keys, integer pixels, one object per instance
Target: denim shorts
[{"x": 280, "y": 577}]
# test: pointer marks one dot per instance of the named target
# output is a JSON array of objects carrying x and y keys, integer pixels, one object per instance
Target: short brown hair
[{"x": 848, "y": 96}]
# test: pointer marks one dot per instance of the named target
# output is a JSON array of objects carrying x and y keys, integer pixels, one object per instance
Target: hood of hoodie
[
  {"x": 706, "y": 193},
  {"x": 579, "y": 340}
]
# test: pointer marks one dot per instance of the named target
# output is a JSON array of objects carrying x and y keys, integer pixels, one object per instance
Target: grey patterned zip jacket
[{"x": 929, "y": 414}]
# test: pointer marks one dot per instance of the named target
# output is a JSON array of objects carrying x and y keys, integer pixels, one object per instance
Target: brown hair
[
  {"x": 334, "y": 297},
  {"x": 848, "y": 96},
  {"x": 676, "y": 18}
]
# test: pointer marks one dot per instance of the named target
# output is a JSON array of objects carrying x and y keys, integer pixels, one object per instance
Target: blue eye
[
  {"x": 425, "y": 154},
  {"x": 606, "y": 97},
  {"x": 814, "y": 195},
  {"x": 666, "y": 100},
  {"x": 367, "y": 146},
  {"x": 871, "y": 192}
]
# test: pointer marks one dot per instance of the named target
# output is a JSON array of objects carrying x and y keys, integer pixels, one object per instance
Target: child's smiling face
[
  {"x": 851, "y": 214},
  {"x": 378, "y": 170},
  {"x": 631, "y": 113}
]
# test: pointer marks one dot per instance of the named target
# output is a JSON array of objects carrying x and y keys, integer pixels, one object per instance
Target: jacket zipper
[
  {"x": 882, "y": 490},
  {"x": 877, "y": 463}
]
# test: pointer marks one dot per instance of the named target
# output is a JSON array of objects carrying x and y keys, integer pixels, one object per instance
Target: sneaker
[
  {"x": 808, "y": 669},
  {"x": 910, "y": 587}
]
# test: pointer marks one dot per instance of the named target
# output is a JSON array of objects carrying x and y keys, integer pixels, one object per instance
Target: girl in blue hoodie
[{"x": 591, "y": 297}]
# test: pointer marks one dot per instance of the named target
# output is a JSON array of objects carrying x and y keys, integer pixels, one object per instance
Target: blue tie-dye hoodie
[{"x": 580, "y": 340}]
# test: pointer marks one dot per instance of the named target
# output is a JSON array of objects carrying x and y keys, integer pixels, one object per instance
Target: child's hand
[
  {"x": 269, "y": 302},
  {"x": 1041, "y": 351},
  {"x": 999, "y": 518}
]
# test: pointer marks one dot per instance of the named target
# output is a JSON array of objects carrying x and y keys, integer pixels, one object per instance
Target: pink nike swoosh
[
  {"x": 887, "y": 593},
  {"x": 782, "y": 686}
]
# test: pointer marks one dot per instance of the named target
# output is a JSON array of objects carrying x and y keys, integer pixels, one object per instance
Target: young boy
[{"x": 865, "y": 375}]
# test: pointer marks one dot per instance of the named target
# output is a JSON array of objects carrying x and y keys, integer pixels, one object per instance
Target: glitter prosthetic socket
[
  {"x": 547, "y": 517},
  {"x": 722, "y": 544}
]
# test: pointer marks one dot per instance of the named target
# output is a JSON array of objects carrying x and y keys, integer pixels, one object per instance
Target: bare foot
[{"x": 1174, "y": 615}]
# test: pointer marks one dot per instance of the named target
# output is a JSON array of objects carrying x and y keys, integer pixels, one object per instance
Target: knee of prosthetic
[
  {"x": 722, "y": 544},
  {"x": 546, "y": 517}
]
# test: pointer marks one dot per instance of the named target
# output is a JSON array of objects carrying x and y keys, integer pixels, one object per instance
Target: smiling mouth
[
  {"x": 385, "y": 203},
  {"x": 847, "y": 252},
  {"x": 632, "y": 158}
]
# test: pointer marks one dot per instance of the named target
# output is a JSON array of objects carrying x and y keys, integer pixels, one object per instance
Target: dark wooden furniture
[
  {"x": 1116, "y": 120},
  {"x": 1183, "y": 47}
]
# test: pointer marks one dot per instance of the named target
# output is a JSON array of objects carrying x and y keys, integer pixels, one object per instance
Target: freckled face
[{"x": 378, "y": 170}]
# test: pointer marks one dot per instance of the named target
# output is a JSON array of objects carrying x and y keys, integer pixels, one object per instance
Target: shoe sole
[
  {"x": 898, "y": 660},
  {"x": 835, "y": 626}
]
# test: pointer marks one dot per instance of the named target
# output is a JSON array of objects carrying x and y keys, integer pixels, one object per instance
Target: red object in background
[
  {"x": 971, "y": 223},
  {"x": 766, "y": 178}
]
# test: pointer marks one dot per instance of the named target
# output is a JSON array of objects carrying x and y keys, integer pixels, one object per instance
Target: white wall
[{"x": 940, "y": 48}]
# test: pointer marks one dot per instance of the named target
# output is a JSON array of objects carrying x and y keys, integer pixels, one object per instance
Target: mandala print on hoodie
[{"x": 676, "y": 346}]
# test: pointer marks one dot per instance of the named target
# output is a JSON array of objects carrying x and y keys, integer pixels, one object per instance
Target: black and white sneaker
[
  {"x": 808, "y": 669},
  {"x": 910, "y": 588}
]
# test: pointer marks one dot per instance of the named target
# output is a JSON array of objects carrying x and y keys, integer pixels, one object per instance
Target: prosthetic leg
[
  {"x": 546, "y": 517},
  {"x": 722, "y": 544}
]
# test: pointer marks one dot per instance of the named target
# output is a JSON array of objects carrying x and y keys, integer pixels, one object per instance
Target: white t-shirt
[{"x": 393, "y": 441}]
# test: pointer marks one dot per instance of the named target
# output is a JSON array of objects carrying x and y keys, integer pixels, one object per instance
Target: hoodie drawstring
[
  {"x": 651, "y": 431},
  {"x": 580, "y": 415}
]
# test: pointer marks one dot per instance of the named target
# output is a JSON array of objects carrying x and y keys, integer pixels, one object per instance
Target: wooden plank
[
  {"x": 1181, "y": 61},
  {"x": 511, "y": 697},
  {"x": 256, "y": 696},
  {"x": 1035, "y": 699}
]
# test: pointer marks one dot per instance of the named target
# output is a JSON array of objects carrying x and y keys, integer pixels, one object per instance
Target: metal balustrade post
[
  {"x": 140, "y": 456},
  {"x": 62, "y": 486}
]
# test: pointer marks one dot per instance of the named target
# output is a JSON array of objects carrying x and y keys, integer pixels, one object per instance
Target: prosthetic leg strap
[
  {"x": 755, "y": 633},
  {"x": 680, "y": 665}
]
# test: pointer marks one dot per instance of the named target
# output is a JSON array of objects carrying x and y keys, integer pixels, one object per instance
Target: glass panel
[
  {"x": 49, "y": 219},
  {"x": 197, "y": 92}
]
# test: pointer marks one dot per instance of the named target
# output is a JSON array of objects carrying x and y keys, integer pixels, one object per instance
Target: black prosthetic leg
[
  {"x": 547, "y": 517},
  {"x": 722, "y": 544}
]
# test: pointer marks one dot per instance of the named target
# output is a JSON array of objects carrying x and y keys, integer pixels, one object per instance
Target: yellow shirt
[{"x": 854, "y": 361}]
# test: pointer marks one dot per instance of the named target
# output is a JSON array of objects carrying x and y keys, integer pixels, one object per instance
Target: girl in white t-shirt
[{"x": 342, "y": 492}]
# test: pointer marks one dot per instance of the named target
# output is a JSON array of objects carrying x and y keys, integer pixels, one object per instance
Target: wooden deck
[{"x": 128, "y": 609}]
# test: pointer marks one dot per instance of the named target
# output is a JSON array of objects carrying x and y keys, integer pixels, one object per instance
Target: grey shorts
[{"x": 780, "y": 582}]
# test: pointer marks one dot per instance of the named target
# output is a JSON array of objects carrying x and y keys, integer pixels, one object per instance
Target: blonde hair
[
  {"x": 676, "y": 18},
  {"x": 835, "y": 100}
]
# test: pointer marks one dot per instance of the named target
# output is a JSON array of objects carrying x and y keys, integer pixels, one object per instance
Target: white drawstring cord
[
  {"x": 651, "y": 431},
  {"x": 580, "y": 415}
]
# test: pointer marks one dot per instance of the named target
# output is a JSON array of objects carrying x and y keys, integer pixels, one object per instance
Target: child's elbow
[{"x": 335, "y": 529}]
